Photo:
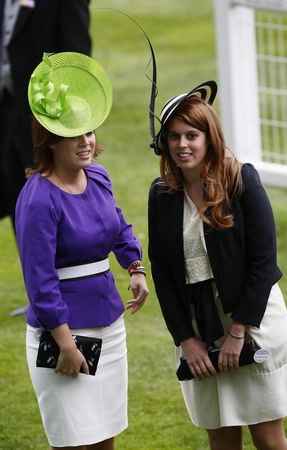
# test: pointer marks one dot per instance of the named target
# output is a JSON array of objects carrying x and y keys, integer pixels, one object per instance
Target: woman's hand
[
  {"x": 70, "y": 362},
  {"x": 70, "y": 358},
  {"x": 230, "y": 350},
  {"x": 140, "y": 292},
  {"x": 195, "y": 353}
]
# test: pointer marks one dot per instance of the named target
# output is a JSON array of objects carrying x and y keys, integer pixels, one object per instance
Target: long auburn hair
[
  {"x": 221, "y": 174},
  {"x": 42, "y": 140}
]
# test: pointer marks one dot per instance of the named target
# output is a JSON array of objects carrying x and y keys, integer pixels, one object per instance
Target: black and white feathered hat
[{"x": 207, "y": 91}]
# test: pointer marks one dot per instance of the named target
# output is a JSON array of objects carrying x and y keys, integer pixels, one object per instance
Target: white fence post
[{"x": 238, "y": 81}]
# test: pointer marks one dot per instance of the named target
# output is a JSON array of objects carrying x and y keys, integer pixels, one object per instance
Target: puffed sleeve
[
  {"x": 36, "y": 230},
  {"x": 127, "y": 247}
]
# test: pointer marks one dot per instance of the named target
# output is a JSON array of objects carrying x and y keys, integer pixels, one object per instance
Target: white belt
[{"x": 83, "y": 270}]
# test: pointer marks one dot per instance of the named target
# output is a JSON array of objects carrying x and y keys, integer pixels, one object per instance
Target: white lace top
[{"x": 197, "y": 266}]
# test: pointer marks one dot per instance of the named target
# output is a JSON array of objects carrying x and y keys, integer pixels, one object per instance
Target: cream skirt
[
  {"x": 253, "y": 394},
  {"x": 86, "y": 409}
]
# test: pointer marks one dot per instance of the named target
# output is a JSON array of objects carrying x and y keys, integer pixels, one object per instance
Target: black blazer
[{"x": 242, "y": 258}]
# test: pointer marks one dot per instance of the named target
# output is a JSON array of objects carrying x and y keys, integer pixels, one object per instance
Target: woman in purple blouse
[{"x": 67, "y": 223}]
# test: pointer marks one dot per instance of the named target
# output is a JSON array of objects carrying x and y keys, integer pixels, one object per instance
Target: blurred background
[{"x": 185, "y": 39}]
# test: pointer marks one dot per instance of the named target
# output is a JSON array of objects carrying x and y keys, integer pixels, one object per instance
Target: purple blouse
[{"x": 57, "y": 229}]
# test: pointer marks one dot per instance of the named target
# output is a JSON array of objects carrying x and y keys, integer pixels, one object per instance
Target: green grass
[{"x": 182, "y": 34}]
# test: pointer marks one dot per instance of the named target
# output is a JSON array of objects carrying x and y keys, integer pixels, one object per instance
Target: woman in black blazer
[{"x": 212, "y": 247}]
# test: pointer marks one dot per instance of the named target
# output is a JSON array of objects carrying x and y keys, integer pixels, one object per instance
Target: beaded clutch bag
[{"x": 49, "y": 351}]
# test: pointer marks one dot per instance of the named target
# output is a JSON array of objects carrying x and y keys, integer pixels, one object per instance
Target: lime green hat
[{"x": 70, "y": 94}]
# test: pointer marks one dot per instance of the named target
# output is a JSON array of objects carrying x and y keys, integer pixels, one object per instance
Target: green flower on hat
[
  {"x": 70, "y": 93},
  {"x": 44, "y": 97}
]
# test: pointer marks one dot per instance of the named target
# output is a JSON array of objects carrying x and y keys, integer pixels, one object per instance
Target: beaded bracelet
[
  {"x": 134, "y": 264},
  {"x": 139, "y": 270},
  {"x": 235, "y": 335},
  {"x": 136, "y": 267}
]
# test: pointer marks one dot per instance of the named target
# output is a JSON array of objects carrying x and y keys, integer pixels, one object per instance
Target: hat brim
[
  {"x": 89, "y": 97},
  {"x": 206, "y": 91}
]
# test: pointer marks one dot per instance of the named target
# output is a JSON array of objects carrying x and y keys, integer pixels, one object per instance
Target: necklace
[{"x": 69, "y": 189}]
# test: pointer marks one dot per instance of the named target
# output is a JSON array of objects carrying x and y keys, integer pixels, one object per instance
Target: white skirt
[
  {"x": 86, "y": 409},
  {"x": 252, "y": 394}
]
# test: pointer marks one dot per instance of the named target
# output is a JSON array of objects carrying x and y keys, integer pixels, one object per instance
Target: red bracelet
[
  {"x": 134, "y": 264},
  {"x": 135, "y": 267}
]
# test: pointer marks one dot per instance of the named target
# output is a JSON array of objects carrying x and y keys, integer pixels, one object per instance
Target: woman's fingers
[
  {"x": 71, "y": 363},
  {"x": 202, "y": 369},
  {"x": 229, "y": 354}
]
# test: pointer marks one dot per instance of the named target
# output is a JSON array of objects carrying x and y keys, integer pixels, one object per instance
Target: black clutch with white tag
[
  {"x": 250, "y": 354},
  {"x": 49, "y": 351}
]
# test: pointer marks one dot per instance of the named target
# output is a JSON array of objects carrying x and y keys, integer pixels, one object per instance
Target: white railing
[{"x": 252, "y": 62}]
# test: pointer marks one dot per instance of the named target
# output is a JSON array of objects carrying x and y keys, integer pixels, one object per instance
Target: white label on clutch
[{"x": 261, "y": 355}]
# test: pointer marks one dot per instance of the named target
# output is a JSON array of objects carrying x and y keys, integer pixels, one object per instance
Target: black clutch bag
[
  {"x": 250, "y": 354},
  {"x": 49, "y": 351}
]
